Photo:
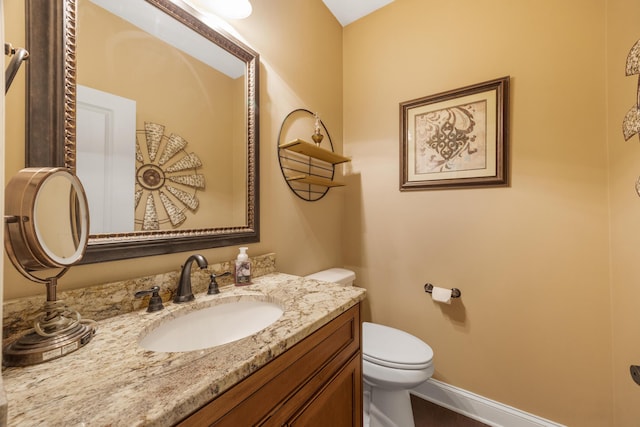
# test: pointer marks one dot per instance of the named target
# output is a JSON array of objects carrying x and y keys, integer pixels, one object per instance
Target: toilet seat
[{"x": 393, "y": 348}]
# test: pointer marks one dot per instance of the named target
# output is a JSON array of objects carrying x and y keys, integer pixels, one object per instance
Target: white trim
[{"x": 477, "y": 407}]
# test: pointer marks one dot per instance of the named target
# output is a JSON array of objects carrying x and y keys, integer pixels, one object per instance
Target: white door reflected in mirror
[{"x": 106, "y": 125}]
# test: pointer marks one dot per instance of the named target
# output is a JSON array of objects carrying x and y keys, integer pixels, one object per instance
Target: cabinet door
[{"x": 338, "y": 403}]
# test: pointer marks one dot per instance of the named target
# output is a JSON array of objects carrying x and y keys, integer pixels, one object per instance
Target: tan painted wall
[
  {"x": 624, "y": 168},
  {"x": 300, "y": 44},
  {"x": 533, "y": 327},
  {"x": 15, "y": 98}
]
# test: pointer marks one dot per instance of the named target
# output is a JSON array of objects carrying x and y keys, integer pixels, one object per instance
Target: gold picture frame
[{"x": 456, "y": 139}]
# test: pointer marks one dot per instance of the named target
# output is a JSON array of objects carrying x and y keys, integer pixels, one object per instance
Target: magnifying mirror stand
[
  {"x": 57, "y": 331},
  {"x": 46, "y": 227}
]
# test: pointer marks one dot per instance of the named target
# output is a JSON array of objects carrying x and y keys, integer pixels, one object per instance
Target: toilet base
[
  {"x": 389, "y": 408},
  {"x": 366, "y": 404}
]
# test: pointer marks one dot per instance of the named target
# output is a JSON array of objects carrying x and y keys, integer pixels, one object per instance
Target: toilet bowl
[{"x": 393, "y": 362}]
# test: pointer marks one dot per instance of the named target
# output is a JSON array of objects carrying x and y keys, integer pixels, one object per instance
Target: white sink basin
[{"x": 211, "y": 326}]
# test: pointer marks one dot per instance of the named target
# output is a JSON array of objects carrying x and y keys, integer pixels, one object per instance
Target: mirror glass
[
  {"x": 47, "y": 223},
  {"x": 61, "y": 223},
  {"x": 163, "y": 129}
]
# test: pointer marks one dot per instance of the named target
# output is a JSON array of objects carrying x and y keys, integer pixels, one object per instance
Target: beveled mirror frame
[{"x": 51, "y": 125}]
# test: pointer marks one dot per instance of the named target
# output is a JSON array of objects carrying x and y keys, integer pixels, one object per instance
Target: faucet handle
[
  {"x": 213, "y": 284},
  {"x": 155, "y": 302}
]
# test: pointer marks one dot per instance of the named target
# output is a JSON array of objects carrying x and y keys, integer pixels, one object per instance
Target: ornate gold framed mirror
[{"x": 67, "y": 45}]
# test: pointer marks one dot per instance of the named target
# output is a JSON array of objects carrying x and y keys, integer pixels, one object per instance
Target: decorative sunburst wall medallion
[
  {"x": 631, "y": 122},
  {"x": 166, "y": 176}
]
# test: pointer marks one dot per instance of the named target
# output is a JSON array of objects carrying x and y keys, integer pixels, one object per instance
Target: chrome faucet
[{"x": 184, "y": 293}]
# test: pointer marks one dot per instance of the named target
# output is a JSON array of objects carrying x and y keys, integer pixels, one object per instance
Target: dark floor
[{"x": 427, "y": 414}]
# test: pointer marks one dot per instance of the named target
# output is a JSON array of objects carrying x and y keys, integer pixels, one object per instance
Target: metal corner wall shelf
[{"x": 308, "y": 168}]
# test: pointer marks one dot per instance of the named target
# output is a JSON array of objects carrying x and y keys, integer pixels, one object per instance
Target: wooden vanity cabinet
[{"x": 318, "y": 382}]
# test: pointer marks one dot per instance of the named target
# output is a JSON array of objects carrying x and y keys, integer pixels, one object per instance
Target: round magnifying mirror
[
  {"x": 47, "y": 219},
  {"x": 47, "y": 226}
]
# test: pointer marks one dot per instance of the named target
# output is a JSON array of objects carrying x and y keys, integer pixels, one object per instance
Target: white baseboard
[{"x": 477, "y": 407}]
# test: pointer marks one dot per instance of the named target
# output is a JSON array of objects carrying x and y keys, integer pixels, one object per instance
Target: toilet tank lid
[{"x": 334, "y": 275}]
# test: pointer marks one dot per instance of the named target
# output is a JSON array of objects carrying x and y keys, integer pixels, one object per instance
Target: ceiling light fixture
[{"x": 231, "y": 9}]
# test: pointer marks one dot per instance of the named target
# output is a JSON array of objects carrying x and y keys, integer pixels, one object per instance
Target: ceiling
[{"x": 347, "y": 11}]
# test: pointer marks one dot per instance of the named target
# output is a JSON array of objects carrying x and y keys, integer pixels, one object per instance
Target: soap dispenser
[{"x": 243, "y": 268}]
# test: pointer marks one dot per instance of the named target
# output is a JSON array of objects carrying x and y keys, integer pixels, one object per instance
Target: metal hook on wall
[{"x": 19, "y": 56}]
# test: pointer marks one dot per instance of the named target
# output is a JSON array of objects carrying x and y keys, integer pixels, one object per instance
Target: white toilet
[{"x": 393, "y": 362}]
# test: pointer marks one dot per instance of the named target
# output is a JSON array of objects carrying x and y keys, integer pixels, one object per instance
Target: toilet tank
[{"x": 341, "y": 276}]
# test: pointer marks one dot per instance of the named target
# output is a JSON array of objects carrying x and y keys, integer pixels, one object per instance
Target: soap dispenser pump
[{"x": 243, "y": 268}]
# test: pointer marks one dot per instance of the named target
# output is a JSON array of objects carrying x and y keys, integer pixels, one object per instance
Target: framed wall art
[{"x": 456, "y": 138}]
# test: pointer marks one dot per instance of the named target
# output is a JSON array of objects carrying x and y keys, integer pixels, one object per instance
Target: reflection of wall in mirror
[
  {"x": 178, "y": 91},
  {"x": 239, "y": 165},
  {"x": 52, "y": 213}
]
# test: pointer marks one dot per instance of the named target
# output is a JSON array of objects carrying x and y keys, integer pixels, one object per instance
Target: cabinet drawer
[{"x": 291, "y": 378}]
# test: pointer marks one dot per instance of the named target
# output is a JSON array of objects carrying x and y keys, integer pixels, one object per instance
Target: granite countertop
[{"x": 112, "y": 381}]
